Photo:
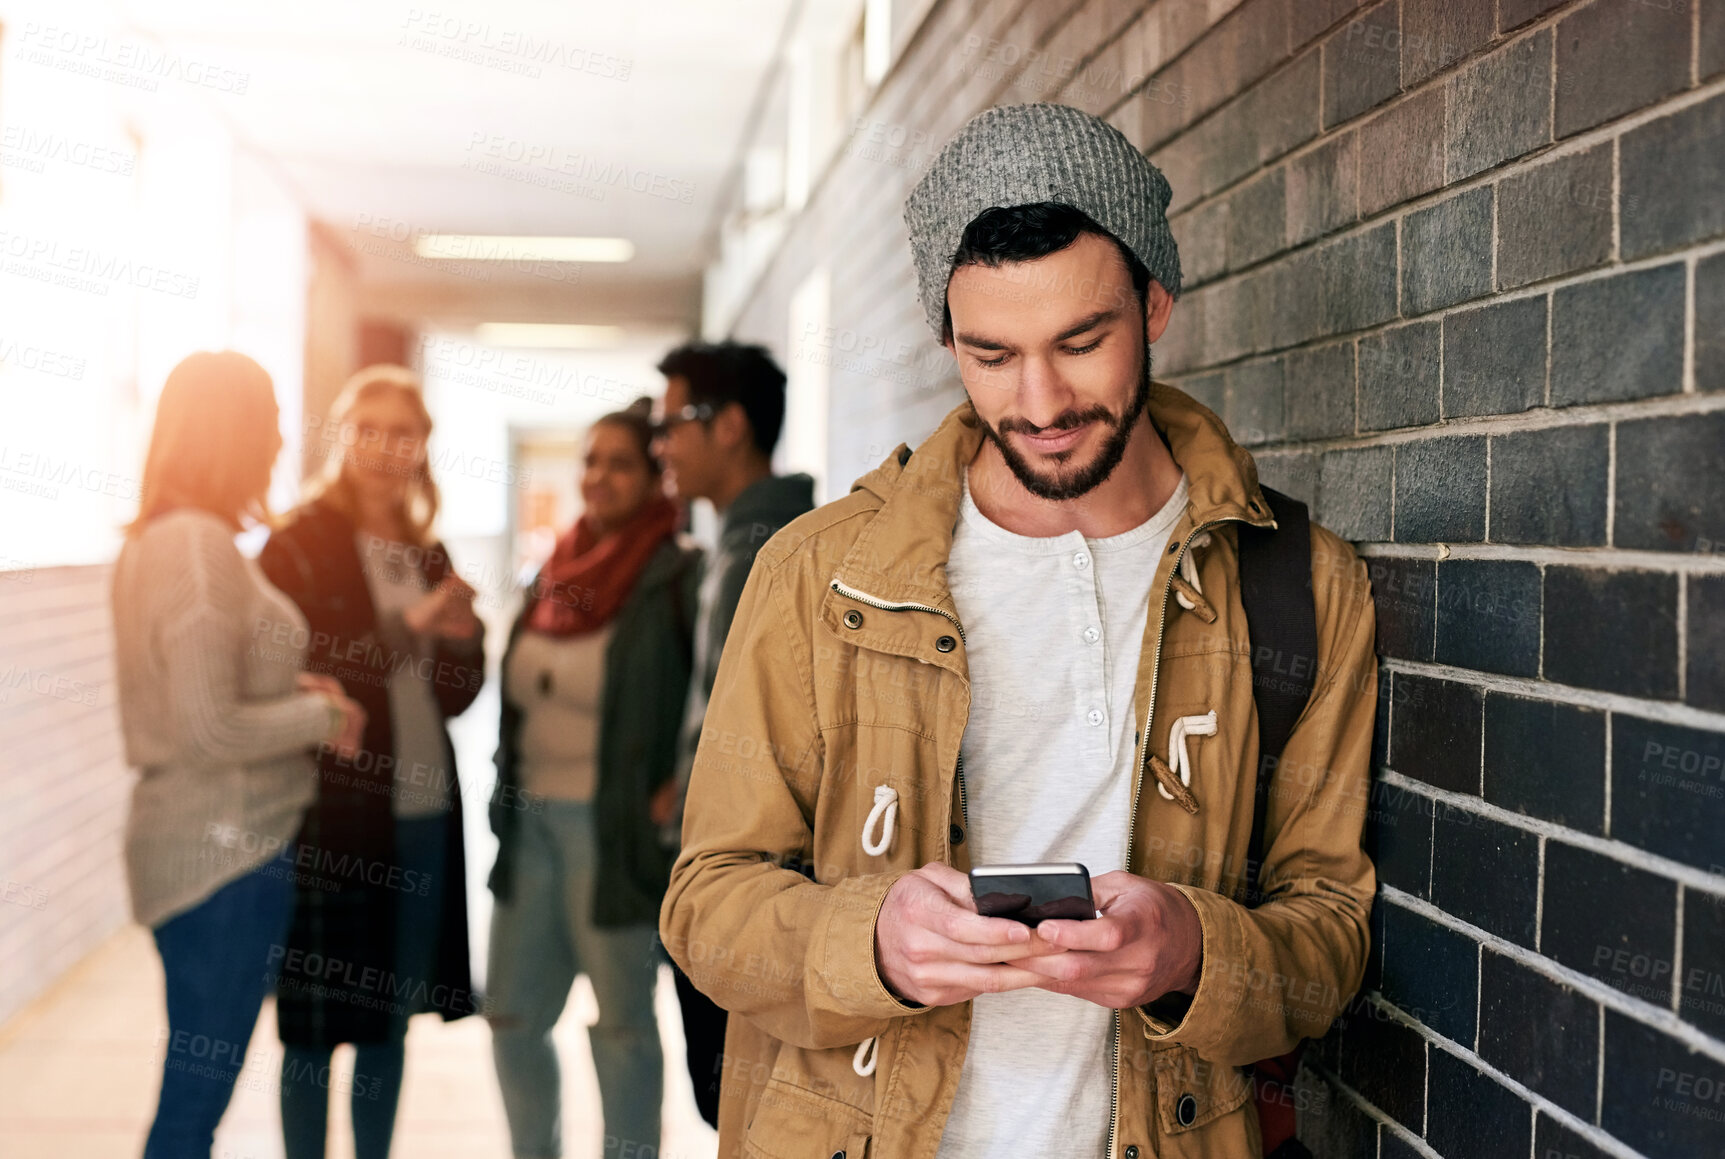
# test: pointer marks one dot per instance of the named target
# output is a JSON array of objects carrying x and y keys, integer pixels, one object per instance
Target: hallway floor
[{"x": 79, "y": 1071}]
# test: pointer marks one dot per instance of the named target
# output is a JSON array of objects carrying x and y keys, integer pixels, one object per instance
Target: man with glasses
[{"x": 720, "y": 417}]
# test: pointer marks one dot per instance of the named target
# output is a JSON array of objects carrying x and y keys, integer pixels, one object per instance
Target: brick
[
  {"x": 1553, "y": 1140},
  {"x": 1202, "y": 235},
  {"x": 1254, "y": 408},
  {"x": 1354, "y": 493},
  {"x": 1398, "y": 838},
  {"x": 1310, "y": 17},
  {"x": 1546, "y": 760},
  {"x": 1549, "y": 487},
  {"x": 1322, "y": 187},
  {"x": 1555, "y": 219},
  {"x": 1440, "y": 491},
  {"x": 1665, "y": 790},
  {"x": 1329, "y": 1122},
  {"x": 1233, "y": 55},
  {"x": 1711, "y": 50},
  {"x": 1405, "y": 593},
  {"x": 1293, "y": 292},
  {"x": 1488, "y": 615},
  {"x": 1670, "y": 172},
  {"x": 1494, "y": 358},
  {"x": 1361, "y": 64},
  {"x": 1704, "y": 680},
  {"x": 1512, "y": 13},
  {"x": 1486, "y": 873},
  {"x": 1207, "y": 389},
  {"x": 1281, "y": 113},
  {"x": 1541, "y": 1033},
  {"x": 1430, "y": 971},
  {"x": 1499, "y": 107},
  {"x": 1614, "y": 630},
  {"x": 1292, "y": 473},
  {"x": 1658, "y": 1086},
  {"x": 1617, "y": 56},
  {"x": 1257, "y": 220},
  {"x": 1435, "y": 733},
  {"x": 1393, "y": 1146},
  {"x": 1437, "y": 33},
  {"x": 1610, "y": 921},
  {"x": 1379, "y": 1056},
  {"x": 1357, "y": 275},
  {"x": 1402, "y": 151},
  {"x": 1596, "y": 358},
  {"x": 1446, "y": 252},
  {"x": 1710, "y": 323},
  {"x": 1320, "y": 391},
  {"x": 1670, "y": 491},
  {"x": 1701, "y": 987},
  {"x": 1398, "y": 371},
  {"x": 1495, "y": 1124}
]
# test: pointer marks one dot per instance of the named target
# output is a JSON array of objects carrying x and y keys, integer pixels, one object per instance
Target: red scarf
[{"x": 587, "y": 578}]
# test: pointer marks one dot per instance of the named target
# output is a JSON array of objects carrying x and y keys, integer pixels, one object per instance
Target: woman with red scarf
[{"x": 594, "y": 682}]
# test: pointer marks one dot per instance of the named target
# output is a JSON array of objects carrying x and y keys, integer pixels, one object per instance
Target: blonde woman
[
  {"x": 381, "y": 884},
  {"x": 220, "y": 722}
]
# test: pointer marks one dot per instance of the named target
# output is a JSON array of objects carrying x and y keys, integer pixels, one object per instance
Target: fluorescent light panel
[
  {"x": 548, "y": 335},
  {"x": 476, "y": 247}
]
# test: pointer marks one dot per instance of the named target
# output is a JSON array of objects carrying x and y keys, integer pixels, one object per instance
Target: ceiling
[{"x": 573, "y": 117}]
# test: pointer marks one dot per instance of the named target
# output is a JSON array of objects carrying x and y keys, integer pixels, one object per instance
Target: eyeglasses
[{"x": 693, "y": 413}]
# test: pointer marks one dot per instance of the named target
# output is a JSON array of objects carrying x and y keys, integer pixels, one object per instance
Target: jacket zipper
[
  {"x": 844, "y": 589},
  {"x": 1137, "y": 785}
]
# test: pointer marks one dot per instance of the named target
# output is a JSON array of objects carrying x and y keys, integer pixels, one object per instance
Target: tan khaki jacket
[{"x": 845, "y": 671}]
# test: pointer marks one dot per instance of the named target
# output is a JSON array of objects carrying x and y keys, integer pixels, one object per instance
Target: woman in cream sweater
[{"x": 221, "y": 725}]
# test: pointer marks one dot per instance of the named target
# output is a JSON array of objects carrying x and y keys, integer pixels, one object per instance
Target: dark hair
[
  {"x": 719, "y": 373},
  {"x": 637, "y": 419},
  {"x": 1024, "y": 233}
]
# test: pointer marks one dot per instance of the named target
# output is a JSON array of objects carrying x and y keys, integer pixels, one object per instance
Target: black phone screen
[{"x": 1033, "y": 897}]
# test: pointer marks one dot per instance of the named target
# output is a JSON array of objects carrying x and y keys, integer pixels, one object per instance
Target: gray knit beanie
[{"x": 1023, "y": 154}]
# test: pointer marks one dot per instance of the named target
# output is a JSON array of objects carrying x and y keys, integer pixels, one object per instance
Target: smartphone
[{"x": 1032, "y": 893}]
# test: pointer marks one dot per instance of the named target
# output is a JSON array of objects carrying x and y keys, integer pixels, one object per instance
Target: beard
[{"x": 1070, "y": 484}]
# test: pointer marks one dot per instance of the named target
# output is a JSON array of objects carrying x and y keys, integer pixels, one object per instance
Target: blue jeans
[
  {"x": 217, "y": 963},
  {"x": 541, "y": 938},
  {"x": 378, "y": 1066}
]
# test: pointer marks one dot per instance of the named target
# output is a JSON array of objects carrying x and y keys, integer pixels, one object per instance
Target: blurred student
[
  {"x": 593, "y": 685},
  {"x": 382, "y": 885},
  {"x": 723, "y": 408},
  {"x": 220, "y": 722}
]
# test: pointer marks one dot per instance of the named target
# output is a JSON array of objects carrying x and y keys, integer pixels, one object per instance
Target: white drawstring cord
[
  {"x": 886, "y": 812},
  {"x": 867, "y": 1048},
  {"x": 1179, "y": 760},
  {"x": 1189, "y": 573}
]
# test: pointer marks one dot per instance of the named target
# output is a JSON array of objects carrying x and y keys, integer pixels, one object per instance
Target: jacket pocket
[
  {"x": 793, "y": 1123},
  {"x": 1192, "y": 1091}
]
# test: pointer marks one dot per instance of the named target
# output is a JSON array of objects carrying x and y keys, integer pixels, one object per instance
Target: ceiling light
[
  {"x": 473, "y": 247},
  {"x": 548, "y": 335}
]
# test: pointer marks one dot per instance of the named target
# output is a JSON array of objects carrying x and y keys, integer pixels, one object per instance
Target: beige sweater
[{"x": 206, "y": 654}]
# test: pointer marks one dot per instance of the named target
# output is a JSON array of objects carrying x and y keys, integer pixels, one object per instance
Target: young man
[
  {"x": 1025, "y": 642},
  {"x": 720, "y": 417}
]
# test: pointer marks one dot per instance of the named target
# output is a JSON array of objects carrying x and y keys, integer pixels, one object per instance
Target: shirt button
[
  {"x": 1132, "y": 1151},
  {"x": 1092, "y": 635},
  {"x": 1080, "y": 561},
  {"x": 1094, "y": 716}
]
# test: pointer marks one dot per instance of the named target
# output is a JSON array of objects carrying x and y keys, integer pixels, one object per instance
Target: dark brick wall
[{"x": 1455, "y": 273}]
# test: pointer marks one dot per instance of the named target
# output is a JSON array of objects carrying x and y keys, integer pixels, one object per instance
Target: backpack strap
[{"x": 1276, "y": 590}]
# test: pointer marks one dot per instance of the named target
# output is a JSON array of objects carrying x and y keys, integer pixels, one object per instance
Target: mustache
[{"x": 1062, "y": 422}]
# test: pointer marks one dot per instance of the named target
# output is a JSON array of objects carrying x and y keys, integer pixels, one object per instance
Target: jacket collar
[{"x": 901, "y": 556}]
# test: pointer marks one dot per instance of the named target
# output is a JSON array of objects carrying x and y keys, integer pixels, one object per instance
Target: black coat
[
  {"x": 337, "y": 980},
  {"x": 641, "y": 704}
]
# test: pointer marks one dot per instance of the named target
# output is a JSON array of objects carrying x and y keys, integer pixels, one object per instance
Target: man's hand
[
  {"x": 1147, "y": 943},
  {"x": 934, "y": 948}
]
